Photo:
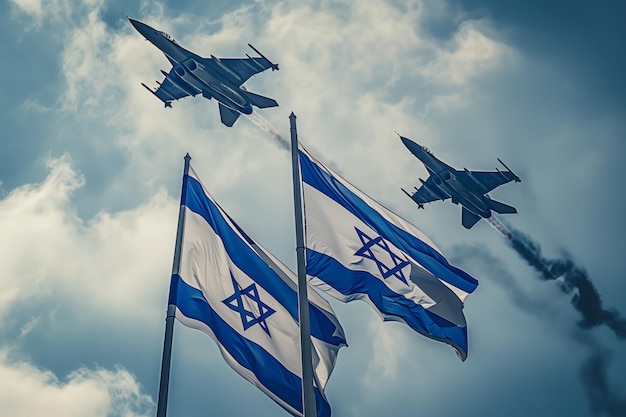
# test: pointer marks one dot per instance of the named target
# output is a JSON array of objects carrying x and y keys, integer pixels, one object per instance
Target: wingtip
[{"x": 515, "y": 176}]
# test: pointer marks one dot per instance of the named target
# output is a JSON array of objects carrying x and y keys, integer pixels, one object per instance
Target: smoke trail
[
  {"x": 479, "y": 258},
  {"x": 265, "y": 126},
  {"x": 572, "y": 279},
  {"x": 603, "y": 397}
]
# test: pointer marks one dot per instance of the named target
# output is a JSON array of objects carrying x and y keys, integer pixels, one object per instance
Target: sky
[{"x": 90, "y": 174}]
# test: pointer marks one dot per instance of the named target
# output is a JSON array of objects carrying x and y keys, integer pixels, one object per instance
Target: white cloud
[
  {"x": 390, "y": 351},
  {"x": 55, "y": 11},
  {"x": 106, "y": 264},
  {"x": 31, "y": 8},
  {"x": 26, "y": 391},
  {"x": 469, "y": 54}
]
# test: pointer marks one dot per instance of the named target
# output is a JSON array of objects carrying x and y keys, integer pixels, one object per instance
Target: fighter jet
[
  {"x": 468, "y": 188},
  {"x": 219, "y": 78}
]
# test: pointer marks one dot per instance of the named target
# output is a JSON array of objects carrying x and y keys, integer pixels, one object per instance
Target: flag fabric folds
[
  {"x": 358, "y": 249},
  {"x": 246, "y": 300}
]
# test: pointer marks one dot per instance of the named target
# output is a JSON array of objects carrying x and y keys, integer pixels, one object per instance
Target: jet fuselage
[
  {"x": 446, "y": 181},
  {"x": 196, "y": 75}
]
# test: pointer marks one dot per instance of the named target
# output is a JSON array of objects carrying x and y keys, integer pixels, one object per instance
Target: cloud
[
  {"x": 26, "y": 390},
  {"x": 470, "y": 53},
  {"x": 32, "y": 8},
  {"x": 79, "y": 288},
  {"x": 106, "y": 263},
  {"x": 55, "y": 11}
]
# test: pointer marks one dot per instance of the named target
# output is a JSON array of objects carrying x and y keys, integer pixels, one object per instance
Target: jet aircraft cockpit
[
  {"x": 427, "y": 150},
  {"x": 166, "y": 35}
]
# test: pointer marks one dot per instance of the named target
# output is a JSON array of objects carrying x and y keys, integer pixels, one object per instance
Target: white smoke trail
[
  {"x": 265, "y": 126},
  {"x": 500, "y": 228}
]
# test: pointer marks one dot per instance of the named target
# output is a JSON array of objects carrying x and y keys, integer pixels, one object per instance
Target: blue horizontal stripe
[
  {"x": 349, "y": 282},
  {"x": 428, "y": 257},
  {"x": 254, "y": 267},
  {"x": 267, "y": 369}
]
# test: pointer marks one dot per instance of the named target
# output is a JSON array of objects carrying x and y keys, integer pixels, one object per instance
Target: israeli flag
[
  {"x": 235, "y": 291},
  {"x": 357, "y": 249}
]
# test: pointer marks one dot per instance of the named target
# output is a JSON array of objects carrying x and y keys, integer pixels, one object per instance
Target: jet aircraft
[
  {"x": 219, "y": 78},
  {"x": 468, "y": 188}
]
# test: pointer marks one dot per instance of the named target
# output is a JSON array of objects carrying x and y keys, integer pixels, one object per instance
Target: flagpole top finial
[{"x": 292, "y": 116}]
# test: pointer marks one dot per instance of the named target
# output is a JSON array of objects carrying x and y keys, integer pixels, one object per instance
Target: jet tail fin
[
  {"x": 260, "y": 101},
  {"x": 468, "y": 219},
  {"x": 228, "y": 116},
  {"x": 501, "y": 208}
]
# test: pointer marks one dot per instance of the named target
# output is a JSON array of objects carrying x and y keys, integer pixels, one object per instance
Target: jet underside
[
  {"x": 219, "y": 78},
  {"x": 468, "y": 188}
]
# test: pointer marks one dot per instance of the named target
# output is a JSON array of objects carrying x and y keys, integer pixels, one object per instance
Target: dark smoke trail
[
  {"x": 265, "y": 126},
  {"x": 604, "y": 398},
  {"x": 480, "y": 258},
  {"x": 572, "y": 280},
  {"x": 601, "y": 394}
]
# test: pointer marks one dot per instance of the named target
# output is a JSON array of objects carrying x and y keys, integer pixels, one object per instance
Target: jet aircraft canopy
[{"x": 166, "y": 36}]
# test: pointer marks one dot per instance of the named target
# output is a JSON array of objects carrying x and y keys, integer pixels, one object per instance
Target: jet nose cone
[
  {"x": 132, "y": 22},
  {"x": 140, "y": 27},
  {"x": 412, "y": 146}
]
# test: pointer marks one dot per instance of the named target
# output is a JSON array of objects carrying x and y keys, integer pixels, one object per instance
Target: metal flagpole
[
  {"x": 308, "y": 396},
  {"x": 169, "y": 320}
]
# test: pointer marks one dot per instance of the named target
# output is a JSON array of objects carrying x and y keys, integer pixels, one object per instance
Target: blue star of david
[
  {"x": 248, "y": 318},
  {"x": 386, "y": 271}
]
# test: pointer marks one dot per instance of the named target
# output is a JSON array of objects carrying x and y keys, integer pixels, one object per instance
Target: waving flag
[
  {"x": 232, "y": 289},
  {"x": 357, "y": 249}
]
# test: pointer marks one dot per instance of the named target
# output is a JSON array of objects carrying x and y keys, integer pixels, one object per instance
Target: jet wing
[
  {"x": 247, "y": 67},
  {"x": 168, "y": 90},
  {"x": 428, "y": 192},
  {"x": 486, "y": 180},
  {"x": 172, "y": 88}
]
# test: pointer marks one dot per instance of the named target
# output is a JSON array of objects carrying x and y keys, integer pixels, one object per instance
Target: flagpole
[
  {"x": 171, "y": 309},
  {"x": 308, "y": 395}
]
